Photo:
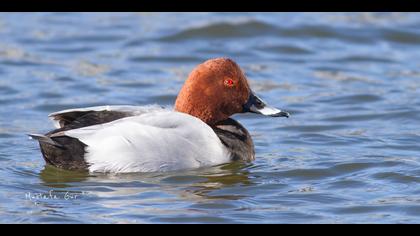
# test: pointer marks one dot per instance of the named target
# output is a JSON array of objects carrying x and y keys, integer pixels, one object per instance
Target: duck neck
[{"x": 203, "y": 113}]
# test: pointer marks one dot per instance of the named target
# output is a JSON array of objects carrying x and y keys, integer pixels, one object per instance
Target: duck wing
[{"x": 83, "y": 117}]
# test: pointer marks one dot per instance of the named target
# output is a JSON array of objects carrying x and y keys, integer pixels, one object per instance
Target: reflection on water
[
  {"x": 57, "y": 178},
  {"x": 349, "y": 153},
  {"x": 198, "y": 183}
]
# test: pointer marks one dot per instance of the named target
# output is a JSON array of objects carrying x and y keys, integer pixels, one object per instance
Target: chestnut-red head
[{"x": 217, "y": 89}]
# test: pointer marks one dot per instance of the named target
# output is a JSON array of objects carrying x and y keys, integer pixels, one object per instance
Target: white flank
[{"x": 159, "y": 140}]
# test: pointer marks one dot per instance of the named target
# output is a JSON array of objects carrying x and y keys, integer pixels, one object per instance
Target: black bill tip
[{"x": 281, "y": 114}]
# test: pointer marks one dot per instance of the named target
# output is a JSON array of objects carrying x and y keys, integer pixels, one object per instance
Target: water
[{"x": 349, "y": 154}]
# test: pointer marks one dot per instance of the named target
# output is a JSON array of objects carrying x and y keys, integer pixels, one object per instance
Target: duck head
[{"x": 217, "y": 89}]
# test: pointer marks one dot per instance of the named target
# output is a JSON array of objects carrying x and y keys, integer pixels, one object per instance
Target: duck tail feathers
[{"x": 44, "y": 139}]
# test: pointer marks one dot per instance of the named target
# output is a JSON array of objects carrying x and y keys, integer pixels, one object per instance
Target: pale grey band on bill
[{"x": 257, "y": 105}]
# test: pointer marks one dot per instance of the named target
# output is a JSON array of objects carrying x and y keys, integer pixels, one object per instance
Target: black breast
[{"x": 236, "y": 138}]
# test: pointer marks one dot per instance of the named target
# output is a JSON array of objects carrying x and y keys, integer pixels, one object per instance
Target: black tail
[{"x": 62, "y": 151}]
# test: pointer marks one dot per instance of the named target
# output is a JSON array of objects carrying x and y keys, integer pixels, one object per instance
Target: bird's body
[{"x": 196, "y": 133}]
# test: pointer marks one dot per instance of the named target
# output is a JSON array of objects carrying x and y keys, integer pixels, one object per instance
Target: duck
[{"x": 196, "y": 132}]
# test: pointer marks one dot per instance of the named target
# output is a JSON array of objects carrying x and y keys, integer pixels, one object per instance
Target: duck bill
[{"x": 257, "y": 105}]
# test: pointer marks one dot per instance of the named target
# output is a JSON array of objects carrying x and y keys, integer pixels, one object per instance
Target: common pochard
[{"x": 197, "y": 132}]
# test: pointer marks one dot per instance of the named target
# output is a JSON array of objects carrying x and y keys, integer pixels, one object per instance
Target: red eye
[{"x": 229, "y": 82}]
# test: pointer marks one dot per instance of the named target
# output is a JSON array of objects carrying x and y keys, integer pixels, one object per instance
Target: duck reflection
[
  {"x": 220, "y": 178},
  {"x": 202, "y": 184},
  {"x": 59, "y": 178}
]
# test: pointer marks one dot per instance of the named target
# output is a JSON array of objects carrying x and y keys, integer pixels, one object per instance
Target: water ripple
[
  {"x": 312, "y": 128},
  {"x": 396, "y": 177},
  {"x": 223, "y": 30},
  {"x": 402, "y": 37},
  {"x": 352, "y": 99}
]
